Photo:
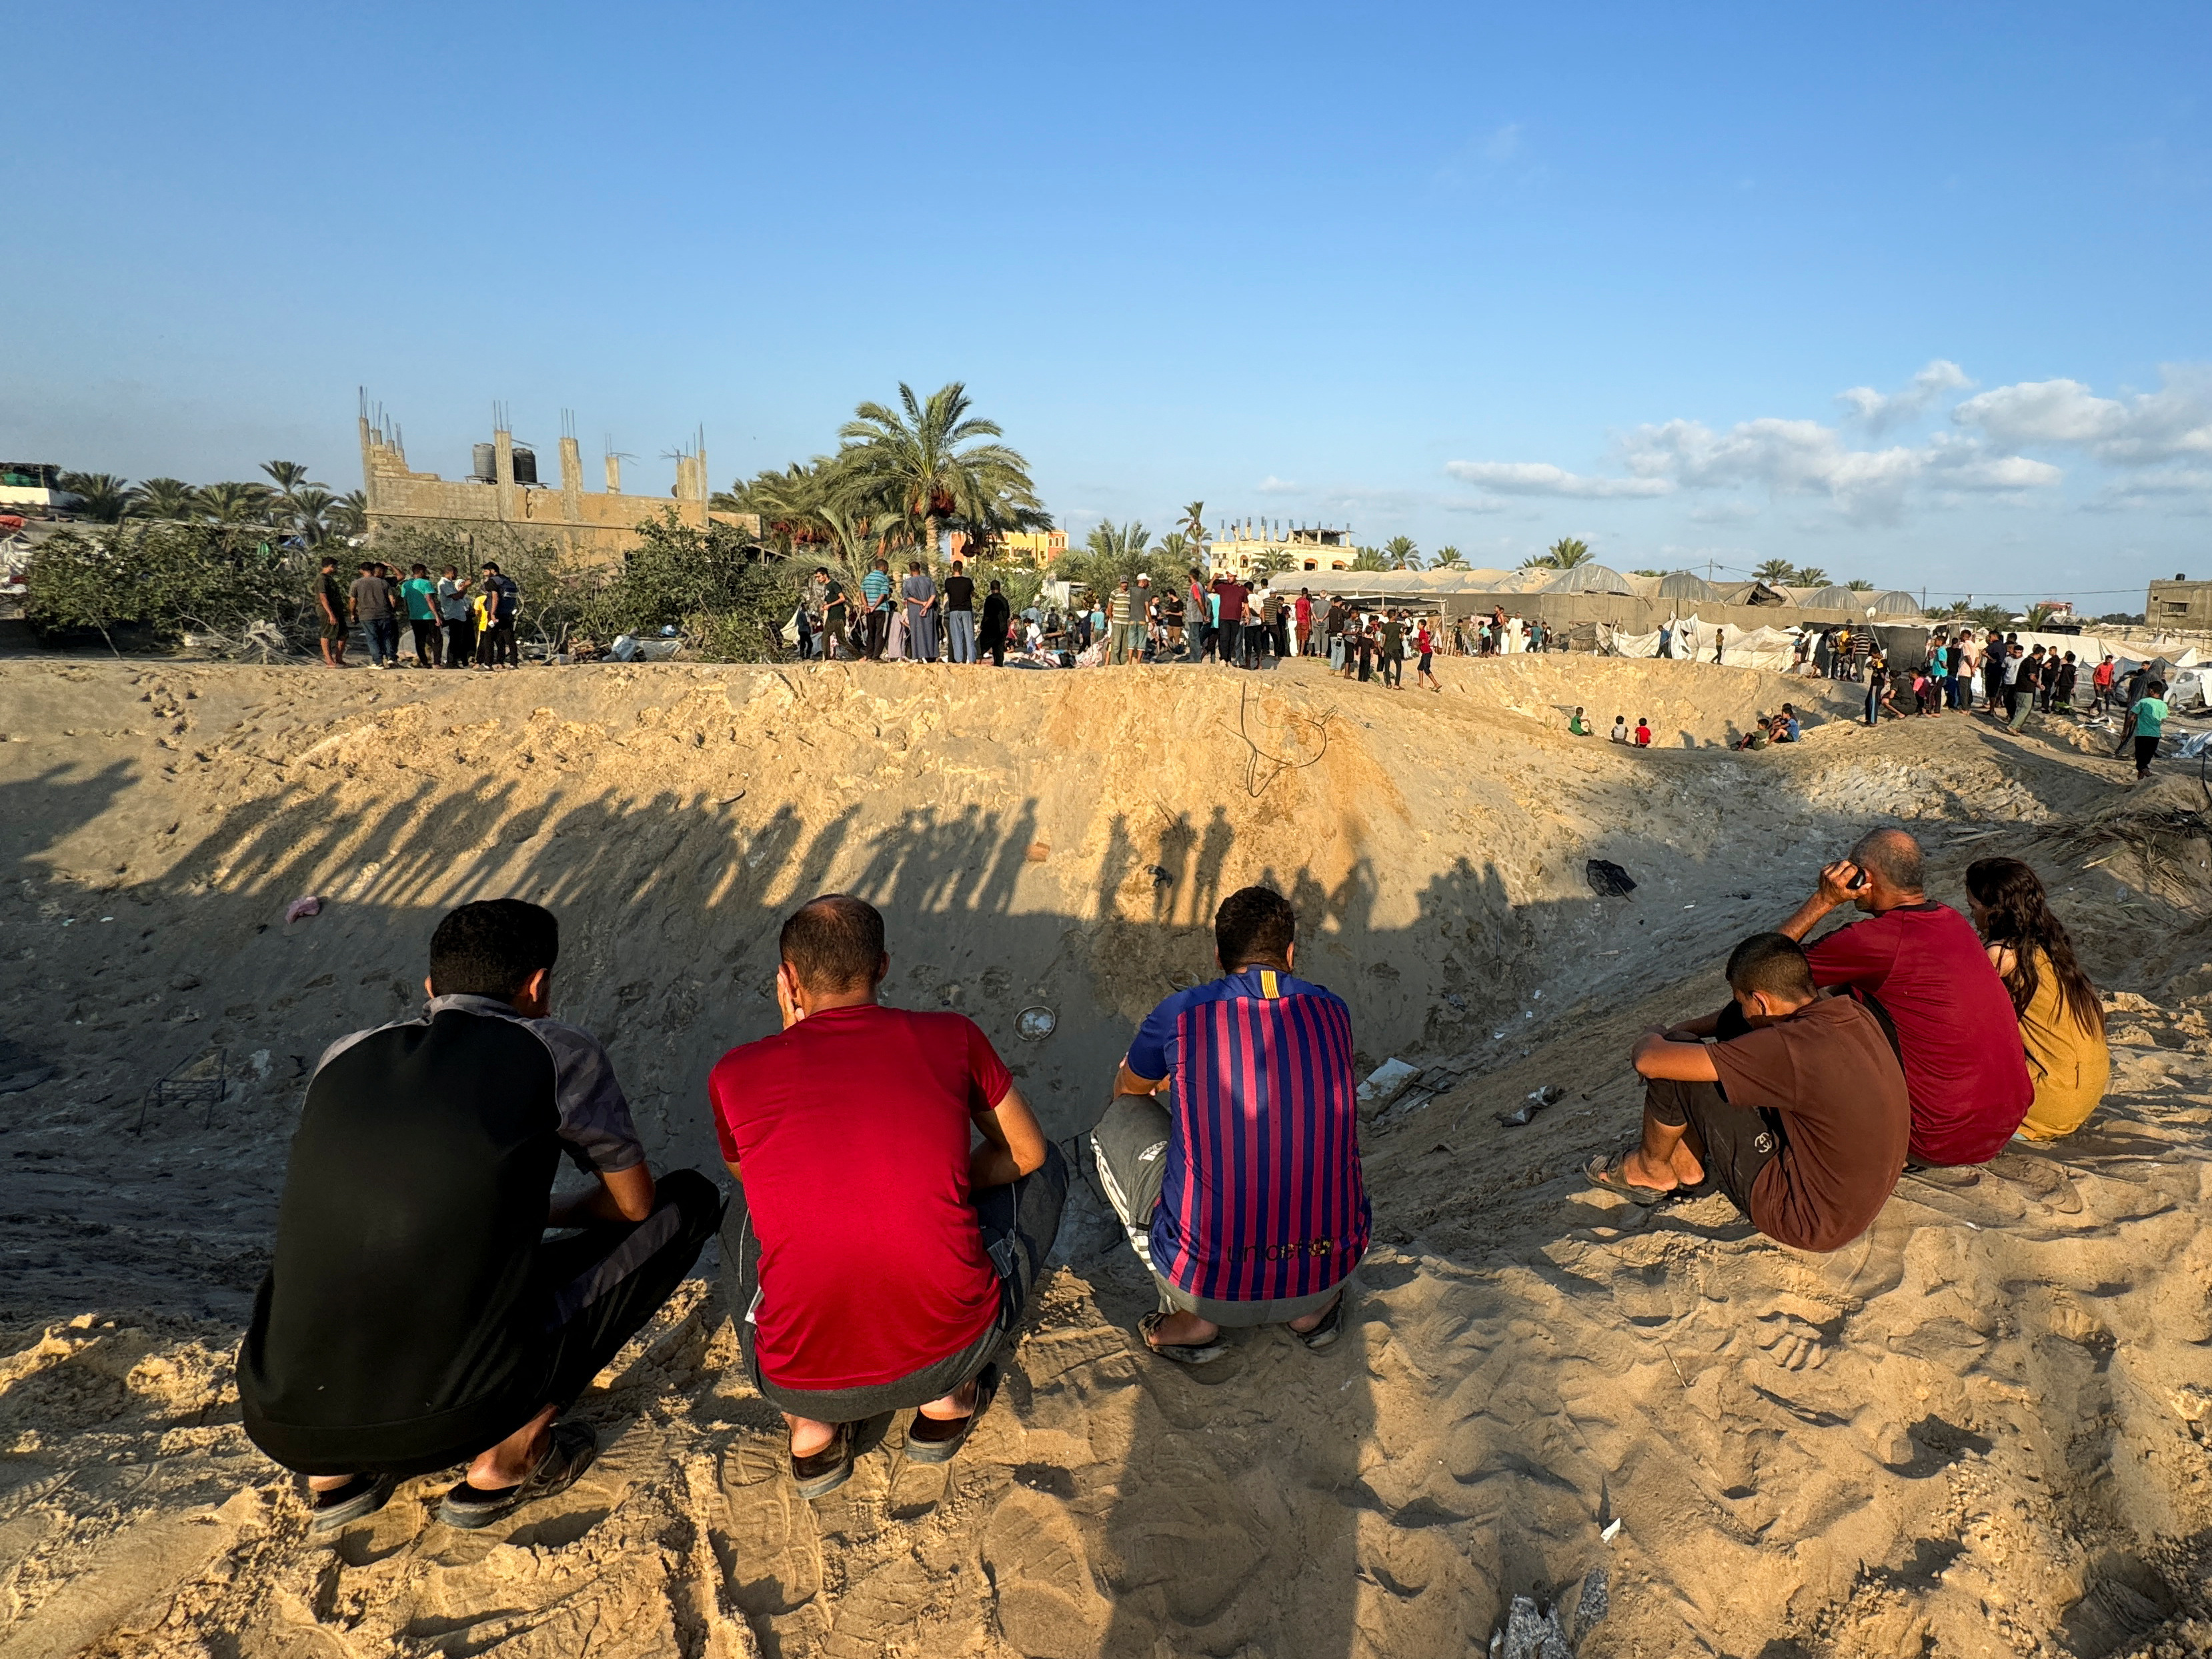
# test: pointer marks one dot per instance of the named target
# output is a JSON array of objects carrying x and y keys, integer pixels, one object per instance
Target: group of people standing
[{"x": 457, "y": 621}]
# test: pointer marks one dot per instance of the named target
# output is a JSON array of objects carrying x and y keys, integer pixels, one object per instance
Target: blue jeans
[
  {"x": 960, "y": 634},
  {"x": 383, "y": 638}
]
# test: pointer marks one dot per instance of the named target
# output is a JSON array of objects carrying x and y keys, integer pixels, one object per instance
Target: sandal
[
  {"x": 934, "y": 1439},
  {"x": 570, "y": 1454},
  {"x": 1183, "y": 1353},
  {"x": 1326, "y": 1332},
  {"x": 342, "y": 1506},
  {"x": 1604, "y": 1171},
  {"x": 821, "y": 1473}
]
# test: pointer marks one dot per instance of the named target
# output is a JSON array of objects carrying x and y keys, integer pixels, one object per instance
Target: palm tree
[
  {"x": 1810, "y": 575},
  {"x": 921, "y": 464},
  {"x": 1401, "y": 553},
  {"x": 1860, "y": 585},
  {"x": 1272, "y": 562},
  {"x": 164, "y": 498},
  {"x": 310, "y": 512},
  {"x": 1176, "y": 545},
  {"x": 1368, "y": 558},
  {"x": 1448, "y": 558},
  {"x": 1567, "y": 553},
  {"x": 232, "y": 504},
  {"x": 1777, "y": 571},
  {"x": 100, "y": 496},
  {"x": 349, "y": 514},
  {"x": 289, "y": 478},
  {"x": 1193, "y": 531}
]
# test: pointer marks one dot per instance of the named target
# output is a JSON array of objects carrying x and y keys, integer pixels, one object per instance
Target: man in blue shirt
[
  {"x": 1242, "y": 1191},
  {"x": 876, "y": 607}
]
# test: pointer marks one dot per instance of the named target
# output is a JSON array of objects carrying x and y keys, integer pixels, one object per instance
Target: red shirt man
[
  {"x": 1233, "y": 594},
  {"x": 879, "y": 1262},
  {"x": 1957, "y": 1033}
]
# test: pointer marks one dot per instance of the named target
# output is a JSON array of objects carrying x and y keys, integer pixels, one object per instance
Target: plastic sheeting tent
[
  {"x": 1690, "y": 639},
  {"x": 1589, "y": 579}
]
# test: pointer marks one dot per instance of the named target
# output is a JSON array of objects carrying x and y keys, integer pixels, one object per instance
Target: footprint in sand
[
  {"x": 1048, "y": 1606},
  {"x": 1788, "y": 1342}
]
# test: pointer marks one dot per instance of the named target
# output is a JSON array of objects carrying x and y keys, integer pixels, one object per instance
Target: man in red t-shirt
[
  {"x": 1235, "y": 649},
  {"x": 878, "y": 1263},
  {"x": 1925, "y": 966}
]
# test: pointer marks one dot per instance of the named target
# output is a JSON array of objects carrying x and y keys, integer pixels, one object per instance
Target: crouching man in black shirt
[{"x": 415, "y": 1317}]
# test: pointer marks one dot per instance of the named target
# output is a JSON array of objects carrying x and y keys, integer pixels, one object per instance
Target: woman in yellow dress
[{"x": 2062, "y": 1020}]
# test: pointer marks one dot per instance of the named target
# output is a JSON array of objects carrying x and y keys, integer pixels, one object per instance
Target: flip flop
[
  {"x": 1183, "y": 1353},
  {"x": 569, "y": 1454},
  {"x": 341, "y": 1506},
  {"x": 1325, "y": 1333},
  {"x": 934, "y": 1439},
  {"x": 1604, "y": 1171},
  {"x": 821, "y": 1473}
]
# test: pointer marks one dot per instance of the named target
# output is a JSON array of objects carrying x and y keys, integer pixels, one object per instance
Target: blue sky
[{"x": 1917, "y": 293}]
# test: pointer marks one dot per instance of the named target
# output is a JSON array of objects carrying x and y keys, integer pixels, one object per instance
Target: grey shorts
[{"x": 1130, "y": 1149}]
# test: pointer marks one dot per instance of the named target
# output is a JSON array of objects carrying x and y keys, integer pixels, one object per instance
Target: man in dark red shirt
[
  {"x": 1233, "y": 650},
  {"x": 879, "y": 1263},
  {"x": 1925, "y": 966}
]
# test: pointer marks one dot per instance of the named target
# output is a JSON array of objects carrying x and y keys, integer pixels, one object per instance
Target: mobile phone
[{"x": 1858, "y": 880}]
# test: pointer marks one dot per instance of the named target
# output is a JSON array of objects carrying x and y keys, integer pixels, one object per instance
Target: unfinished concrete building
[{"x": 503, "y": 489}]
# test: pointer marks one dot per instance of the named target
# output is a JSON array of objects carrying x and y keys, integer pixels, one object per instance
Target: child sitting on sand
[
  {"x": 1620, "y": 728},
  {"x": 1643, "y": 733},
  {"x": 1577, "y": 726},
  {"x": 1790, "y": 1103}
]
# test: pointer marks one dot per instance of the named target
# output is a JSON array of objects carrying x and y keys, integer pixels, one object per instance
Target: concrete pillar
[
  {"x": 614, "y": 475},
  {"x": 572, "y": 482},
  {"x": 503, "y": 467}
]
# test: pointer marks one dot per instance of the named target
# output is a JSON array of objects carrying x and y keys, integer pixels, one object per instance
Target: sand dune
[{"x": 1981, "y": 1429}]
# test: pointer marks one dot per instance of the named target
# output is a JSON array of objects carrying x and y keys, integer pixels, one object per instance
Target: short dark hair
[
  {"x": 1253, "y": 923},
  {"x": 491, "y": 947},
  {"x": 1894, "y": 856},
  {"x": 1773, "y": 963},
  {"x": 834, "y": 943}
]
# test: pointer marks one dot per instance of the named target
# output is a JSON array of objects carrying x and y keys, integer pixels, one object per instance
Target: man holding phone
[{"x": 1924, "y": 968}]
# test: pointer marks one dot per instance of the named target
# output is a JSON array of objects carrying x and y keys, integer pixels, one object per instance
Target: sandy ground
[{"x": 1982, "y": 1429}]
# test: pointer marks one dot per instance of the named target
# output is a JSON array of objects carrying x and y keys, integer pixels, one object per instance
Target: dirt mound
[{"x": 1984, "y": 1422}]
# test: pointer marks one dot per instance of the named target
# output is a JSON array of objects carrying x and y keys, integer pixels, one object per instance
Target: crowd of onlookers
[{"x": 457, "y": 621}]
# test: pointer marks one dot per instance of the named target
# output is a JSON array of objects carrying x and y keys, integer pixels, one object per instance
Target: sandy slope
[{"x": 1981, "y": 1429}]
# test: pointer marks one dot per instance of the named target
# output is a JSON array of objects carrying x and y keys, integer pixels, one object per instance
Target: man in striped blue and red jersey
[{"x": 1242, "y": 1191}]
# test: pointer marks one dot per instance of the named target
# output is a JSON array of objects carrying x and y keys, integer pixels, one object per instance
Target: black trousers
[
  {"x": 460, "y": 642},
  {"x": 591, "y": 1292},
  {"x": 426, "y": 640},
  {"x": 1733, "y": 1143},
  {"x": 1019, "y": 1223},
  {"x": 2146, "y": 752}
]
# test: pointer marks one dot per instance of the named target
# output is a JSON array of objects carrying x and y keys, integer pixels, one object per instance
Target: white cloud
[
  {"x": 2138, "y": 429},
  {"x": 1503, "y": 144},
  {"x": 1879, "y": 411},
  {"x": 1541, "y": 478},
  {"x": 1272, "y": 485},
  {"x": 1723, "y": 513},
  {"x": 1792, "y": 458}
]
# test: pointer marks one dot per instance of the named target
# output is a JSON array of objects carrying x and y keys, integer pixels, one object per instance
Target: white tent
[{"x": 1691, "y": 639}]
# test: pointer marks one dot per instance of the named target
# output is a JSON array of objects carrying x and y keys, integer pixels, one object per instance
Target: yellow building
[
  {"x": 1039, "y": 548},
  {"x": 1244, "y": 550}
]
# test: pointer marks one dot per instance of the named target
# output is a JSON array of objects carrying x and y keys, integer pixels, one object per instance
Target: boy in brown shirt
[{"x": 1795, "y": 1106}]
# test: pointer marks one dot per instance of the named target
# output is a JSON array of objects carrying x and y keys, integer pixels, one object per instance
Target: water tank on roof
[
  {"x": 483, "y": 462},
  {"x": 526, "y": 464}
]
